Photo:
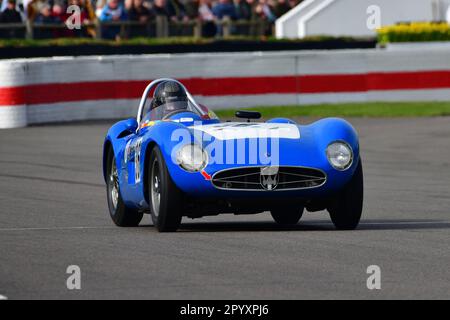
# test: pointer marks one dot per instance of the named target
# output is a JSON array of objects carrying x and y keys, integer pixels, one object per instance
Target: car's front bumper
[{"x": 201, "y": 185}]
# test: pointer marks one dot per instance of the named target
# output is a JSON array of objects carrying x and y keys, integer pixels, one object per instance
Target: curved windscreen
[
  {"x": 159, "y": 113},
  {"x": 167, "y": 109}
]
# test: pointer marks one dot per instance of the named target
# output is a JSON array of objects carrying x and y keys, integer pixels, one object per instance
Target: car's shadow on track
[
  {"x": 403, "y": 224},
  {"x": 312, "y": 225}
]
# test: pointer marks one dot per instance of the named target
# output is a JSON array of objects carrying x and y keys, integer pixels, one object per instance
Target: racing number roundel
[{"x": 137, "y": 161}]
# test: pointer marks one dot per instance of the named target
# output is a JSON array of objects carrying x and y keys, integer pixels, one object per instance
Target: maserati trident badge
[{"x": 269, "y": 178}]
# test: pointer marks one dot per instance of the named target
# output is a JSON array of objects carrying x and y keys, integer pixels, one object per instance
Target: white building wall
[{"x": 349, "y": 17}]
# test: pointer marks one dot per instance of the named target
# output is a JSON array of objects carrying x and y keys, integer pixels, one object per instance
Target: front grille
[{"x": 268, "y": 178}]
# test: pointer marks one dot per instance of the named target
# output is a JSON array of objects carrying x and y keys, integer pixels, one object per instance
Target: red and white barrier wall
[{"x": 79, "y": 88}]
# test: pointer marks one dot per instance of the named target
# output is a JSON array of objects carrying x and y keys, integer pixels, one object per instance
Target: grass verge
[
  {"x": 372, "y": 109},
  {"x": 145, "y": 41}
]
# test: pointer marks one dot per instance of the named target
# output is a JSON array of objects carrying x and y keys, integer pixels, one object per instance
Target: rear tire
[
  {"x": 164, "y": 196},
  {"x": 120, "y": 214},
  {"x": 287, "y": 216},
  {"x": 346, "y": 209}
]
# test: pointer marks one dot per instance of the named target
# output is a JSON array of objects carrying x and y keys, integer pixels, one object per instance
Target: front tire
[
  {"x": 287, "y": 216},
  {"x": 346, "y": 209},
  {"x": 120, "y": 214},
  {"x": 164, "y": 196}
]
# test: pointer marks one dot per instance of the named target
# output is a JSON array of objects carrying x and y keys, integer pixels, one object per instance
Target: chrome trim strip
[
  {"x": 241, "y": 182},
  {"x": 310, "y": 180},
  {"x": 263, "y": 190},
  {"x": 241, "y": 175},
  {"x": 301, "y": 175}
]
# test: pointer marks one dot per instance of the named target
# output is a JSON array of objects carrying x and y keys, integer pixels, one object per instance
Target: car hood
[{"x": 248, "y": 130}]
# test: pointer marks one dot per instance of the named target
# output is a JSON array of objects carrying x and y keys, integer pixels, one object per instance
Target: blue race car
[{"x": 178, "y": 159}]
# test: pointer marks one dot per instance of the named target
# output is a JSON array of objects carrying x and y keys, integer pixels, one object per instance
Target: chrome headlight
[
  {"x": 340, "y": 155},
  {"x": 192, "y": 158}
]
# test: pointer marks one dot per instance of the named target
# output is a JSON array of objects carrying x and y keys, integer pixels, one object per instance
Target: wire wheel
[
  {"x": 165, "y": 197},
  {"x": 122, "y": 215},
  {"x": 155, "y": 188},
  {"x": 114, "y": 184}
]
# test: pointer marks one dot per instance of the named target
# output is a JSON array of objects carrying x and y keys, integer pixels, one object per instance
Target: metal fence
[{"x": 160, "y": 27}]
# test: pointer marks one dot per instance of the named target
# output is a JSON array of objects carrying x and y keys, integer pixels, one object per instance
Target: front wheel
[
  {"x": 165, "y": 198},
  {"x": 120, "y": 214},
  {"x": 346, "y": 209},
  {"x": 287, "y": 216}
]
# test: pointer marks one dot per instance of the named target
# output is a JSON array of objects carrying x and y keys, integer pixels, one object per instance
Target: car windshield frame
[{"x": 152, "y": 85}]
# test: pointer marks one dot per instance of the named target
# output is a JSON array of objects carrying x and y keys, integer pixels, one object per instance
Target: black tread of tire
[
  {"x": 169, "y": 218},
  {"x": 346, "y": 211},
  {"x": 287, "y": 216},
  {"x": 124, "y": 216}
]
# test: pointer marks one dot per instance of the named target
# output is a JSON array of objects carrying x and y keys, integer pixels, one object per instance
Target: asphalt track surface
[{"x": 53, "y": 214}]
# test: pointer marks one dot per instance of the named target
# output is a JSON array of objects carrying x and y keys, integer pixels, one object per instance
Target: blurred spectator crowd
[{"x": 177, "y": 12}]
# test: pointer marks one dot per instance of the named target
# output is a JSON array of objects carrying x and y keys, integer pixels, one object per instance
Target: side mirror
[{"x": 248, "y": 115}]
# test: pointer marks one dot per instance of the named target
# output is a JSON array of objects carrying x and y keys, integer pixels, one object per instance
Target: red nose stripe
[{"x": 206, "y": 175}]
